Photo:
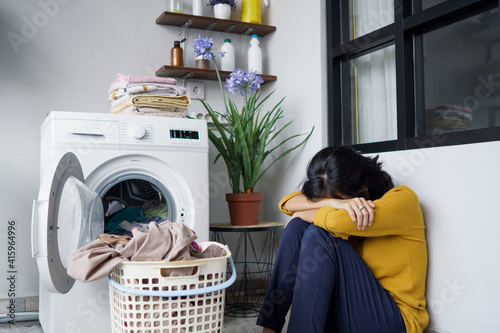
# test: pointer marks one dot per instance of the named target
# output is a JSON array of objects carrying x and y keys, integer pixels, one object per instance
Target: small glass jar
[{"x": 175, "y": 6}]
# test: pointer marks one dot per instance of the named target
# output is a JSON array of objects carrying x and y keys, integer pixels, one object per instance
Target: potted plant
[
  {"x": 245, "y": 142},
  {"x": 222, "y": 8}
]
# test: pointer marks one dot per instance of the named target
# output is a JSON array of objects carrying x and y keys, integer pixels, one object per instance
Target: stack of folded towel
[
  {"x": 443, "y": 118},
  {"x": 152, "y": 96}
]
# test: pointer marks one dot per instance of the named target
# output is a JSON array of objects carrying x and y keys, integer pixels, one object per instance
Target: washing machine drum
[{"x": 66, "y": 216}]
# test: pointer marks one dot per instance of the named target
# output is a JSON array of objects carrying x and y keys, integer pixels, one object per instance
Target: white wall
[
  {"x": 297, "y": 54},
  {"x": 69, "y": 61},
  {"x": 63, "y": 55},
  {"x": 457, "y": 188}
]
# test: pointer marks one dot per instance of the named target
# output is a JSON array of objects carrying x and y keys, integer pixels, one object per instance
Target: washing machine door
[{"x": 66, "y": 216}]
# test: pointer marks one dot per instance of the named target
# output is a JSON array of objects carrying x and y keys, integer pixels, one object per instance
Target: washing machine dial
[{"x": 137, "y": 131}]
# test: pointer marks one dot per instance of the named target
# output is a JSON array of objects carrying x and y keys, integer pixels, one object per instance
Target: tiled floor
[
  {"x": 29, "y": 326},
  {"x": 236, "y": 325}
]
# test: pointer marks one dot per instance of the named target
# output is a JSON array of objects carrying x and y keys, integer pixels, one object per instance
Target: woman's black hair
[{"x": 337, "y": 172}]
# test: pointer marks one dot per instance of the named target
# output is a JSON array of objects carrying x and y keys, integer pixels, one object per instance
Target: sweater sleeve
[
  {"x": 394, "y": 213},
  {"x": 285, "y": 199}
]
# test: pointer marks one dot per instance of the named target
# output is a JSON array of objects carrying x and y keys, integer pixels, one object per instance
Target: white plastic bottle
[
  {"x": 198, "y": 7},
  {"x": 227, "y": 62},
  {"x": 254, "y": 56}
]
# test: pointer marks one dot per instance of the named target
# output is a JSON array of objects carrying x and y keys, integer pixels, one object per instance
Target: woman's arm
[
  {"x": 300, "y": 202},
  {"x": 360, "y": 210},
  {"x": 395, "y": 213}
]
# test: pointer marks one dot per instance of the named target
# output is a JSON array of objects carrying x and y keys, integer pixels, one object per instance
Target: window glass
[
  {"x": 430, "y": 3},
  {"x": 373, "y": 97},
  {"x": 462, "y": 75},
  {"x": 366, "y": 16},
  {"x": 80, "y": 218}
]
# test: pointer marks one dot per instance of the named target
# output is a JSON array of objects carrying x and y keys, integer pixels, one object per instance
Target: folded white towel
[
  {"x": 158, "y": 112},
  {"x": 180, "y": 90}
]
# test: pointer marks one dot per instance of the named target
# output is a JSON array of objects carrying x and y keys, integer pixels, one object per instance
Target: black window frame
[{"x": 406, "y": 34}]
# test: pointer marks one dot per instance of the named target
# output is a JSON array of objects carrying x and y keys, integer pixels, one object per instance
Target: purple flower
[
  {"x": 243, "y": 81},
  {"x": 232, "y": 3},
  {"x": 203, "y": 47}
]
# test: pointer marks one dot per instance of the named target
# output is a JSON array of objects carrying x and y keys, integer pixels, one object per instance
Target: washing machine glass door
[{"x": 66, "y": 216}]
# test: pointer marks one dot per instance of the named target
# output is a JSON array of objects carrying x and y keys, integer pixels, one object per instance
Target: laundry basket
[{"x": 145, "y": 300}]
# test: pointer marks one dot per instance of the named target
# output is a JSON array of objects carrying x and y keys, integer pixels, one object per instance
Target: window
[{"x": 412, "y": 74}]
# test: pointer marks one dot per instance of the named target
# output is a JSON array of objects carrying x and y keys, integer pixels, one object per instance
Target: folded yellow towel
[{"x": 155, "y": 101}]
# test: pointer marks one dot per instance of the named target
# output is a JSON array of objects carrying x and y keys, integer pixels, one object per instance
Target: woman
[{"x": 353, "y": 257}]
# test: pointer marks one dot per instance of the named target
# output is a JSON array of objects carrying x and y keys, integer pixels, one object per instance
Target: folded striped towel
[{"x": 154, "y": 101}]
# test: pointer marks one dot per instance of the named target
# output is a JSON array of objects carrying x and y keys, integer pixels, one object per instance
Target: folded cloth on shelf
[
  {"x": 117, "y": 103},
  {"x": 144, "y": 111},
  {"x": 174, "y": 101},
  {"x": 447, "y": 111},
  {"x": 122, "y": 88},
  {"x": 444, "y": 118},
  {"x": 447, "y": 124},
  {"x": 154, "y": 101},
  {"x": 167, "y": 241},
  {"x": 141, "y": 79},
  {"x": 161, "y": 101}
]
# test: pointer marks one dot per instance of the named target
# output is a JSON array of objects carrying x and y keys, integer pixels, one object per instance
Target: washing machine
[{"x": 93, "y": 165}]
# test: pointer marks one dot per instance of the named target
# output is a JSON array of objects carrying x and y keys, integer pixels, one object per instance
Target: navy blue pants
[{"x": 328, "y": 285}]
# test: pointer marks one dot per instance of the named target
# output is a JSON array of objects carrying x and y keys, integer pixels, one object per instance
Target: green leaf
[{"x": 242, "y": 143}]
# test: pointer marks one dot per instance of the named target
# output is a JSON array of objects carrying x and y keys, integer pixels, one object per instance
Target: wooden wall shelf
[
  {"x": 210, "y": 23},
  {"x": 199, "y": 73}
]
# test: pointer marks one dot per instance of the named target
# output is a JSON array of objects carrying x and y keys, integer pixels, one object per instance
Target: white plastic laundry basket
[{"x": 145, "y": 300}]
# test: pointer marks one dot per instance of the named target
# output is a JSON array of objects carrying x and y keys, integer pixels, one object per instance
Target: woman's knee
[
  {"x": 315, "y": 234},
  {"x": 320, "y": 244},
  {"x": 295, "y": 228},
  {"x": 316, "y": 245}
]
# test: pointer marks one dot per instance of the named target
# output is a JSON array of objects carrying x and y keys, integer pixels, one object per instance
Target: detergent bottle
[
  {"x": 227, "y": 62},
  {"x": 250, "y": 11},
  {"x": 255, "y": 55}
]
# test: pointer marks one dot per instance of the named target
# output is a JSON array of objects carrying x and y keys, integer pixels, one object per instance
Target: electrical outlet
[
  {"x": 196, "y": 90},
  {"x": 204, "y": 115}
]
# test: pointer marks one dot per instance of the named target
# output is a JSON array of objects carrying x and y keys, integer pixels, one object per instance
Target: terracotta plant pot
[{"x": 244, "y": 208}]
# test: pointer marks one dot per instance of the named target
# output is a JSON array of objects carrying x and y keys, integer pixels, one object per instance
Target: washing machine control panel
[
  {"x": 134, "y": 133},
  {"x": 137, "y": 131},
  {"x": 182, "y": 136},
  {"x": 154, "y": 135}
]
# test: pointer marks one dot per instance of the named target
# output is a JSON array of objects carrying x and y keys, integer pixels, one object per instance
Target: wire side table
[{"x": 244, "y": 298}]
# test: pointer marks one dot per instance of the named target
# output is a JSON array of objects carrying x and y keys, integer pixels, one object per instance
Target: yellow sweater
[{"x": 393, "y": 247}]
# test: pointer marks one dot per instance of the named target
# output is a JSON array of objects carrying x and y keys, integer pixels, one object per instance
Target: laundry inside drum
[{"x": 134, "y": 203}]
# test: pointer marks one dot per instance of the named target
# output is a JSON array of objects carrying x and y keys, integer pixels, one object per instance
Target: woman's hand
[{"x": 360, "y": 210}]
